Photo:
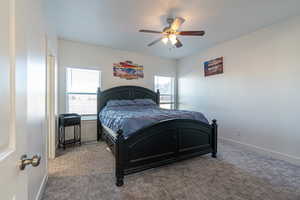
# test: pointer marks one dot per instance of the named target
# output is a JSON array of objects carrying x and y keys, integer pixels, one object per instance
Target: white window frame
[
  {"x": 172, "y": 102},
  {"x": 83, "y": 93}
]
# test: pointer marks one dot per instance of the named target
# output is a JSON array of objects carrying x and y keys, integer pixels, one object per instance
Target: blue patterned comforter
[{"x": 133, "y": 118}]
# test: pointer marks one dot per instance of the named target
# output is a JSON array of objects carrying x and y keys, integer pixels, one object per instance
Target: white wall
[
  {"x": 256, "y": 100},
  {"x": 75, "y": 54}
]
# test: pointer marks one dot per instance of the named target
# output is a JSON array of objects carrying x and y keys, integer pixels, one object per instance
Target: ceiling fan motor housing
[{"x": 170, "y": 21}]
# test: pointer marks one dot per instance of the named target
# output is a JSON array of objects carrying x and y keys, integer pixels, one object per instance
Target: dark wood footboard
[{"x": 160, "y": 144}]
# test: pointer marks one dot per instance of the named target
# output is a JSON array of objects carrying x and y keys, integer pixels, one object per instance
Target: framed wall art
[
  {"x": 213, "y": 67},
  {"x": 128, "y": 70}
]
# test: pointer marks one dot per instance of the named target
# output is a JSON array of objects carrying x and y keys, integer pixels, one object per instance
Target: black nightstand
[{"x": 65, "y": 120}]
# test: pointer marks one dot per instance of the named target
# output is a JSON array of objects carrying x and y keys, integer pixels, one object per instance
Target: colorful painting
[
  {"x": 128, "y": 70},
  {"x": 213, "y": 67}
]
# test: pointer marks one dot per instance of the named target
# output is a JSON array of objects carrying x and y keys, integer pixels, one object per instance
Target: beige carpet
[{"x": 86, "y": 173}]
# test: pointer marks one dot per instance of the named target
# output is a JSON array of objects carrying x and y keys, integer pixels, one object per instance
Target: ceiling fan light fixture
[
  {"x": 165, "y": 40},
  {"x": 173, "y": 39}
]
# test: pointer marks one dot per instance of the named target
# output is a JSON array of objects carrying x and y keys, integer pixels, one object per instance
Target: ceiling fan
[{"x": 171, "y": 33}]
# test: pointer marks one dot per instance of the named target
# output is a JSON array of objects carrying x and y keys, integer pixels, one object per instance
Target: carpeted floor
[{"x": 86, "y": 173}]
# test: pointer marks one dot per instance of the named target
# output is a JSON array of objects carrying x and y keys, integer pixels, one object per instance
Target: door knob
[{"x": 34, "y": 161}]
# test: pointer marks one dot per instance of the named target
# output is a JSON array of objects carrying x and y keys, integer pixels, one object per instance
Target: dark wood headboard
[{"x": 124, "y": 92}]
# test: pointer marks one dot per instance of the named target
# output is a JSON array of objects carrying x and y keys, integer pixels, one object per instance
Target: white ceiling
[{"x": 115, "y": 23}]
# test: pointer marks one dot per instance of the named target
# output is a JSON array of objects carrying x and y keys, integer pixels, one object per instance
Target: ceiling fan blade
[
  {"x": 149, "y": 31},
  {"x": 192, "y": 33},
  {"x": 178, "y": 21},
  {"x": 154, "y": 42},
  {"x": 178, "y": 44}
]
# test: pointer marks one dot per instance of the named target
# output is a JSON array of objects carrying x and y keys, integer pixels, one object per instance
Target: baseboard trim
[
  {"x": 274, "y": 154},
  {"x": 42, "y": 188}
]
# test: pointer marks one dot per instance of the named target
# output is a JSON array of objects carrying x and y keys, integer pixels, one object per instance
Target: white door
[{"x": 22, "y": 99}]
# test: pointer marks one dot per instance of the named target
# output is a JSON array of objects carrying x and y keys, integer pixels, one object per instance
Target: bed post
[
  {"x": 158, "y": 97},
  {"x": 214, "y": 138},
  {"x": 119, "y": 158},
  {"x": 99, "y": 127}
]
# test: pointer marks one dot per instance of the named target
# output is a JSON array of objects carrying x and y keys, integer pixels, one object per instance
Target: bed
[{"x": 143, "y": 136}]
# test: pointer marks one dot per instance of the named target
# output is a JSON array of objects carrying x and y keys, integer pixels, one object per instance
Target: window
[
  {"x": 81, "y": 91},
  {"x": 165, "y": 85}
]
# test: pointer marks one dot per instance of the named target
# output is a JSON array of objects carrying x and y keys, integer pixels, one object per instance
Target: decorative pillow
[
  {"x": 120, "y": 103},
  {"x": 144, "y": 102}
]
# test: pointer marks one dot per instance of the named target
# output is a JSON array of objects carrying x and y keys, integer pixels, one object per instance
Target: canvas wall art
[
  {"x": 213, "y": 67},
  {"x": 128, "y": 70}
]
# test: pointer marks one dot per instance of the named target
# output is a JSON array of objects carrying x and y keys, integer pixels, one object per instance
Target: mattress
[{"x": 134, "y": 117}]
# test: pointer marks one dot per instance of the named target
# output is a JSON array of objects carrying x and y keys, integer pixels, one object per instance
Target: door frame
[{"x": 50, "y": 103}]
